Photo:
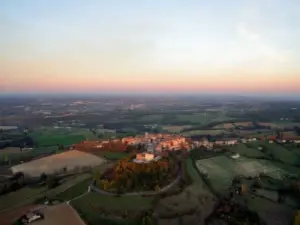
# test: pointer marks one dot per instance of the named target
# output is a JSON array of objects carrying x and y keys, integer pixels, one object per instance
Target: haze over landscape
[
  {"x": 136, "y": 112},
  {"x": 238, "y": 46}
]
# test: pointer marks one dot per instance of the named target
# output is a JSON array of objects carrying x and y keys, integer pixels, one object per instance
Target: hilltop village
[{"x": 152, "y": 145}]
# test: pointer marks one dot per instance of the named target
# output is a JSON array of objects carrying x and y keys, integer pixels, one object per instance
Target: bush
[{"x": 52, "y": 181}]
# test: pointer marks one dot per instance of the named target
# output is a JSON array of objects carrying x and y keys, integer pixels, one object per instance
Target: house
[
  {"x": 231, "y": 142},
  {"x": 145, "y": 156},
  {"x": 244, "y": 140},
  {"x": 236, "y": 156},
  {"x": 219, "y": 142}
]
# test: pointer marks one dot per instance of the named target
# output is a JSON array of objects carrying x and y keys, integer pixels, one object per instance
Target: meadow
[
  {"x": 15, "y": 156},
  {"x": 30, "y": 194},
  {"x": 243, "y": 150},
  {"x": 175, "y": 129},
  {"x": 204, "y": 132},
  {"x": 61, "y": 136},
  {"x": 221, "y": 170},
  {"x": 195, "y": 201}
]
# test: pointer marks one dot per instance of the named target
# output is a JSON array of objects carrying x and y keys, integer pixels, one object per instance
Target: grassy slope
[{"x": 28, "y": 195}]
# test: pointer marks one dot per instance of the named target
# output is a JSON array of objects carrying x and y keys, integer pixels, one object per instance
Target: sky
[{"x": 173, "y": 46}]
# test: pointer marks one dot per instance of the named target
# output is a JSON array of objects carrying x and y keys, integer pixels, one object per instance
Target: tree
[
  {"x": 52, "y": 181},
  {"x": 43, "y": 177}
]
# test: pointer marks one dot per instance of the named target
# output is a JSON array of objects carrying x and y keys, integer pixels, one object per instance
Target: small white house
[{"x": 236, "y": 156}]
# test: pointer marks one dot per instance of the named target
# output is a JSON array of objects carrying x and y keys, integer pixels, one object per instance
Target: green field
[
  {"x": 221, "y": 170},
  {"x": 193, "y": 172},
  {"x": 205, "y": 132},
  {"x": 151, "y": 118},
  {"x": 16, "y": 157},
  {"x": 113, "y": 202},
  {"x": 201, "y": 118},
  {"x": 56, "y": 136},
  {"x": 74, "y": 191},
  {"x": 281, "y": 153},
  {"x": 90, "y": 206},
  {"x": 29, "y": 195},
  {"x": 243, "y": 150},
  {"x": 271, "y": 212}
]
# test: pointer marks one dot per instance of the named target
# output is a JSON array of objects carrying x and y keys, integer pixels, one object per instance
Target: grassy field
[
  {"x": 233, "y": 125},
  {"x": 29, "y": 195},
  {"x": 281, "y": 153},
  {"x": 9, "y": 150},
  {"x": 224, "y": 126},
  {"x": 175, "y": 129},
  {"x": 151, "y": 118},
  {"x": 15, "y": 155},
  {"x": 74, "y": 191},
  {"x": 201, "y": 118},
  {"x": 113, "y": 202},
  {"x": 195, "y": 198},
  {"x": 271, "y": 212},
  {"x": 54, "y": 136},
  {"x": 221, "y": 169},
  {"x": 243, "y": 150},
  {"x": 205, "y": 132}
]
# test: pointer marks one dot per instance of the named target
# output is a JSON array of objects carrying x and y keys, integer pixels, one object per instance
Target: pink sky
[{"x": 182, "y": 46}]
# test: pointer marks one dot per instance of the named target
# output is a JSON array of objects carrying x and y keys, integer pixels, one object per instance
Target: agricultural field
[
  {"x": 271, "y": 212},
  {"x": 175, "y": 129},
  {"x": 243, "y": 124},
  {"x": 279, "y": 124},
  {"x": 90, "y": 206},
  {"x": 279, "y": 152},
  {"x": 221, "y": 170},
  {"x": 151, "y": 118},
  {"x": 224, "y": 126},
  {"x": 201, "y": 118},
  {"x": 113, "y": 202},
  {"x": 233, "y": 125},
  {"x": 15, "y": 156},
  {"x": 194, "y": 203},
  {"x": 205, "y": 132},
  {"x": 243, "y": 150},
  {"x": 70, "y": 160},
  {"x": 28, "y": 195},
  {"x": 289, "y": 134},
  {"x": 9, "y": 218},
  {"x": 80, "y": 187},
  {"x": 61, "y": 136},
  {"x": 292, "y": 147},
  {"x": 61, "y": 214},
  {"x": 10, "y": 150},
  {"x": 14, "y": 198}
]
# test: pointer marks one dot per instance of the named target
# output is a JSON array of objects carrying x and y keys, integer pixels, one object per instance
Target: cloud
[{"x": 259, "y": 47}]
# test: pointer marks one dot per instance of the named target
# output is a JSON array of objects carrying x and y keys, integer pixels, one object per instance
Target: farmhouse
[
  {"x": 236, "y": 156},
  {"x": 145, "y": 156}
]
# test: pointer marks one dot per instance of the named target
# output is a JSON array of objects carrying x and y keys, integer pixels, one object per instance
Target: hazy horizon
[{"x": 74, "y": 46}]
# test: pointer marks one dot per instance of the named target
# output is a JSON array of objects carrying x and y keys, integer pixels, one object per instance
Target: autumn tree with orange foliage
[{"x": 129, "y": 176}]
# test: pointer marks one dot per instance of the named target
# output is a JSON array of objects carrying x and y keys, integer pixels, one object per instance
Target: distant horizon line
[{"x": 287, "y": 96}]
